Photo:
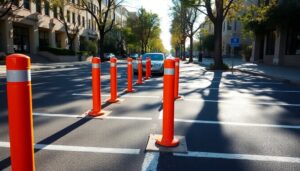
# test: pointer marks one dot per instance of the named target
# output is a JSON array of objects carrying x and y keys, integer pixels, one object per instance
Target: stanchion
[
  {"x": 140, "y": 71},
  {"x": 150, "y": 68},
  {"x": 96, "y": 86},
  {"x": 113, "y": 81},
  {"x": 19, "y": 98},
  {"x": 147, "y": 76},
  {"x": 176, "y": 84},
  {"x": 167, "y": 139},
  {"x": 129, "y": 76}
]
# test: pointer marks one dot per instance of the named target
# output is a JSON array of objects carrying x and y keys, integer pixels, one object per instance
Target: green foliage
[
  {"x": 91, "y": 47},
  {"x": 262, "y": 18},
  {"x": 208, "y": 42},
  {"x": 246, "y": 52},
  {"x": 142, "y": 31}
]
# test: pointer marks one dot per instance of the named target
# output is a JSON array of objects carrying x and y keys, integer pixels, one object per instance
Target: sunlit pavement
[{"x": 231, "y": 121}]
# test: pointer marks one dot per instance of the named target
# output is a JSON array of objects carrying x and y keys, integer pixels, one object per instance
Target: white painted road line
[
  {"x": 56, "y": 70},
  {"x": 129, "y": 96},
  {"x": 56, "y": 115},
  {"x": 229, "y": 102},
  {"x": 104, "y": 117},
  {"x": 237, "y": 124},
  {"x": 80, "y": 149},
  {"x": 127, "y": 118},
  {"x": 240, "y": 157},
  {"x": 150, "y": 161}
]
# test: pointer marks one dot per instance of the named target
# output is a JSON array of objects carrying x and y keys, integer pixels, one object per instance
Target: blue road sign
[{"x": 235, "y": 42}]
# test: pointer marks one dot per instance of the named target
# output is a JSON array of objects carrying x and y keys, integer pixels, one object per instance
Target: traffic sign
[{"x": 235, "y": 42}]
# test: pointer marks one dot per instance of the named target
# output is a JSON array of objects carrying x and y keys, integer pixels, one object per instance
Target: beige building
[
  {"x": 36, "y": 25},
  {"x": 231, "y": 29}
]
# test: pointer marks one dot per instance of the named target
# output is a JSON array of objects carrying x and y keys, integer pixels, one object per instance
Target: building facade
[
  {"x": 232, "y": 28},
  {"x": 278, "y": 46},
  {"x": 38, "y": 24}
]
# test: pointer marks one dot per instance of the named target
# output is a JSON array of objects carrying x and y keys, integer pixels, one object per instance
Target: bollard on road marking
[
  {"x": 176, "y": 84},
  {"x": 129, "y": 76},
  {"x": 147, "y": 68},
  {"x": 113, "y": 81},
  {"x": 167, "y": 139},
  {"x": 140, "y": 71},
  {"x": 96, "y": 88},
  {"x": 19, "y": 97}
]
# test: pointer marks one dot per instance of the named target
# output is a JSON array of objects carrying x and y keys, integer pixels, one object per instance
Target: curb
[{"x": 284, "y": 80}]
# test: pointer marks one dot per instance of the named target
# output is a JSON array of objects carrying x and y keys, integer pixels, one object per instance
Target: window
[
  {"x": 73, "y": 1},
  {"x": 89, "y": 24},
  {"x": 15, "y": 2},
  {"x": 46, "y": 8},
  {"x": 79, "y": 20},
  {"x": 229, "y": 26},
  {"x": 293, "y": 42},
  {"x": 43, "y": 39},
  {"x": 73, "y": 17},
  {"x": 83, "y": 22},
  {"x": 270, "y": 48},
  {"x": 55, "y": 11},
  {"x": 26, "y": 4},
  {"x": 68, "y": 16},
  {"x": 38, "y": 6}
]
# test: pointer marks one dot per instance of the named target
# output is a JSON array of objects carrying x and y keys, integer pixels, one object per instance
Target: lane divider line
[
  {"x": 80, "y": 149},
  {"x": 129, "y": 96},
  {"x": 100, "y": 117},
  {"x": 240, "y": 157},
  {"x": 263, "y": 103},
  {"x": 238, "y": 124},
  {"x": 150, "y": 161}
]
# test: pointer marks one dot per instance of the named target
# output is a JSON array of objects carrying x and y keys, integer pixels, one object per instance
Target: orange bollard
[
  {"x": 167, "y": 138},
  {"x": 96, "y": 85},
  {"x": 19, "y": 98},
  {"x": 150, "y": 68},
  {"x": 129, "y": 76},
  {"x": 147, "y": 69},
  {"x": 113, "y": 80},
  {"x": 176, "y": 84},
  {"x": 140, "y": 71}
]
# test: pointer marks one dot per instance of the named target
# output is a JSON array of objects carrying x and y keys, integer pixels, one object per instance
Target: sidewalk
[
  {"x": 287, "y": 74},
  {"x": 47, "y": 66}
]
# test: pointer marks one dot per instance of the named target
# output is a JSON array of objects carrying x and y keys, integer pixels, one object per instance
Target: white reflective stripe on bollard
[
  {"x": 95, "y": 65},
  {"x": 176, "y": 64},
  {"x": 139, "y": 62},
  {"x": 18, "y": 75},
  {"x": 129, "y": 63},
  {"x": 169, "y": 71},
  {"x": 112, "y": 65}
]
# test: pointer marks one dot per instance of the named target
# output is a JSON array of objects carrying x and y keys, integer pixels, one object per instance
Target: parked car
[
  {"x": 134, "y": 56},
  {"x": 107, "y": 56},
  {"x": 157, "y": 63}
]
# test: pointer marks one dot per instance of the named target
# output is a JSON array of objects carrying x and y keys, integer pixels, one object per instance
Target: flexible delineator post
[
  {"x": 167, "y": 139},
  {"x": 19, "y": 99}
]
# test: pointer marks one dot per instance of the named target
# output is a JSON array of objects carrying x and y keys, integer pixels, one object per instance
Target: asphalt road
[{"x": 231, "y": 121}]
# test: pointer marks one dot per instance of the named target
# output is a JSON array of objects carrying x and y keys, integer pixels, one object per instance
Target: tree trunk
[
  {"x": 191, "y": 49},
  {"x": 100, "y": 47},
  {"x": 218, "y": 44}
]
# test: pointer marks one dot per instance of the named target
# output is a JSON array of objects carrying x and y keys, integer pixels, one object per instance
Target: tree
[
  {"x": 104, "y": 16},
  {"x": 191, "y": 18},
  {"x": 141, "y": 30},
  {"x": 216, "y": 16},
  {"x": 147, "y": 22},
  {"x": 71, "y": 29},
  {"x": 179, "y": 27},
  {"x": 7, "y": 6}
]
